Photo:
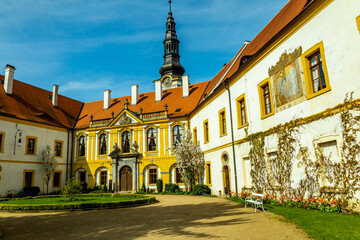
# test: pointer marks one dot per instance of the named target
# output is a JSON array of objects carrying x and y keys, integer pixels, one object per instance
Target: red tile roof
[
  {"x": 173, "y": 98},
  {"x": 31, "y": 103},
  {"x": 288, "y": 13}
]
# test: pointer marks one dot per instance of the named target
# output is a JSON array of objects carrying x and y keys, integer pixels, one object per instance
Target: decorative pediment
[{"x": 125, "y": 118}]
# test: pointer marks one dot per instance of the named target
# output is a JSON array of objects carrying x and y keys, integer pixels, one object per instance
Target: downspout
[
  {"x": 72, "y": 152},
  {"x": 67, "y": 157},
  {"x": 232, "y": 134}
]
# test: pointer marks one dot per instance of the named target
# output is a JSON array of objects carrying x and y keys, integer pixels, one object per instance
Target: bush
[
  {"x": 31, "y": 191},
  {"x": 201, "y": 189},
  {"x": 159, "y": 185},
  {"x": 171, "y": 187},
  {"x": 72, "y": 187}
]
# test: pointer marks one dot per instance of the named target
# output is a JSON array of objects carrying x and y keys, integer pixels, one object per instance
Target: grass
[
  {"x": 60, "y": 200},
  {"x": 320, "y": 225}
]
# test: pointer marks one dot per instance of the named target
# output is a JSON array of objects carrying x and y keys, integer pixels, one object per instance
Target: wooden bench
[{"x": 256, "y": 199}]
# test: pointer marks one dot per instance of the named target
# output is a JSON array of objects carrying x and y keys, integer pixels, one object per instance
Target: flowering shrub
[{"x": 325, "y": 205}]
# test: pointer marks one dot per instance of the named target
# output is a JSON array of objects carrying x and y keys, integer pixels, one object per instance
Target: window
[
  {"x": 28, "y": 178},
  {"x": 125, "y": 142},
  {"x": 315, "y": 70},
  {"x": 81, "y": 152},
  {"x": 152, "y": 176},
  {"x": 177, "y": 134},
  {"x": 241, "y": 111},
  {"x": 31, "y": 145},
  {"x": 2, "y": 139},
  {"x": 178, "y": 176},
  {"x": 82, "y": 176},
  {"x": 208, "y": 173},
  {"x": 195, "y": 136},
  {"x": 102, "y": 144},
  {"x": 57, "y": 179},
  {"x": 222, "y": 122},
  {"x": 103, "y": 177},
  {"x": 206, "y": 131},
  {"x": 151, "y": 140},
  {"x": 265, "y": 96},
  {"x": 58, "y": 148}
]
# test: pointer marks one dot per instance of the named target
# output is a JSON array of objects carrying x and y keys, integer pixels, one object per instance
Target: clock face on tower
[{"x": 167, "y": 81}]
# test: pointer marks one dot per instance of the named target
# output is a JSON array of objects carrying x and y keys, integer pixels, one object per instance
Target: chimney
[
  {"x": 55, "y": 95},
  {"x": 185, "y": 85},
  {"x": 134, "y": 94},
  {"x": 107, "y": 99},
  {"x": 9, "y": 79},
  {"x": 158, "y": 91}
]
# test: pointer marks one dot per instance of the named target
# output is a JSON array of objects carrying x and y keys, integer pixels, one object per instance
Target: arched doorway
[
  {"x": 226, "y": 177},
  {"x": 125, "y": 178}
]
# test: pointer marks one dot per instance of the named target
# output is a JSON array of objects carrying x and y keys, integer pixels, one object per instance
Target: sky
[{"x": 87, "y": 46}]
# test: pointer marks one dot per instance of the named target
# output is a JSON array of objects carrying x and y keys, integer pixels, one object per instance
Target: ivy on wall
[{"x": 322, "y": 177}]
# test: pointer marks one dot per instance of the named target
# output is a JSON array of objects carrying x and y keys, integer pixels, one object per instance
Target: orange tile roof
[
  {"x": 31, "y": 103},
  {"x": 173, "y": 98},
  {"x": 288, "y": 13}
]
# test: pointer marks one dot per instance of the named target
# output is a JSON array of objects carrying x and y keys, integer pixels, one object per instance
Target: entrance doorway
[
  {"x": 226, "y": 177},
  {"x": 125, "y": 178}
]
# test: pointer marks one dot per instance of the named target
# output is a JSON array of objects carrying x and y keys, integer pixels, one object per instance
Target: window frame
[
  {"x": 32, "y": 177},
  {"x": 319, "y": 47},
  {"x": 104, "y": 142},
  {"x": 35, "y": 145},
  {"x": 222, "y": 122},
  {"x": 152, "y": 174},
  {"x": 125, "y": 140},
  {"x": 180, "y": 133},
  {"x": 79, "y": 144},
  {"x": 61, "y": 148},
  {"x": 2, "y": 140},
  {"x": 239, "y": 111},
  {"x": 101, "y": 177},
  {"x": 195, "y": 136},
  {"x": 178, "y": 176},
  {"x": 53, "y": 181},
  {"x": 206, "y": 131},
  {"x": 261, "y": 86},
  {"x": 147, "y": 140},
  {"x": 208, "y": 173}
]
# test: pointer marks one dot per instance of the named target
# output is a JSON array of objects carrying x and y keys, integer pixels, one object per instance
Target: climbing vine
[
  {"x": 322, "y": 177},
  {"x": 258, "y": 171}
]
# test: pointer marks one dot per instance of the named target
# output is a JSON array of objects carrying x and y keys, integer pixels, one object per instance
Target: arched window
[
  {"x": 126, "y": 142},
  {"x": 102, "y": 144},
  {"x": 81, "y": 146},
  {"x": 177, "y": 134},
  {"x": 151, "y": 140}
]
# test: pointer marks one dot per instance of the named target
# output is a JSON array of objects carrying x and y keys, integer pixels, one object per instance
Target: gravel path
[{"x": 174, "y": 217}]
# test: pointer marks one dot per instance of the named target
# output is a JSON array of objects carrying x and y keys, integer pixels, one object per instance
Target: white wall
[
  {"x": 13, "y": 165},
  {"x": 336, "y": 27}
]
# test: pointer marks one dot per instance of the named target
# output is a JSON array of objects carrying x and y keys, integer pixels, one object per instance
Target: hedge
[{"x": 83, "y": 206}]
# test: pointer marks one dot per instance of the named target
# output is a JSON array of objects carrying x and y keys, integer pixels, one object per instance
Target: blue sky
[{"x": 87, "y": 46}]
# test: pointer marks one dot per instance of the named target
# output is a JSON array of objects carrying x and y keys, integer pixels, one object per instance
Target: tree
[
  {"x": 190, "y": 159},
  {"x": 49, "y": 165}
]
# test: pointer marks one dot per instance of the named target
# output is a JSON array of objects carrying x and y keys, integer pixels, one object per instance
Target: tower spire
[{"x": 171, "y": 65}]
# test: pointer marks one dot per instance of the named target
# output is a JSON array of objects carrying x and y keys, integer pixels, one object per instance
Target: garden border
[{"x": 144, "y": 200}]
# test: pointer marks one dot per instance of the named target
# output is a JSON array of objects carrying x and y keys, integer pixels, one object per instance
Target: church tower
[{"x": 171, "y": 71}]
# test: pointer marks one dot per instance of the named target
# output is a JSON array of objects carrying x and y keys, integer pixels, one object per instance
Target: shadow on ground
[{"x": 163, "y": 221}]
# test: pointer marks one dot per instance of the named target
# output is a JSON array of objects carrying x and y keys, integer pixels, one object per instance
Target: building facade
[{"x": 273, "y": 110}]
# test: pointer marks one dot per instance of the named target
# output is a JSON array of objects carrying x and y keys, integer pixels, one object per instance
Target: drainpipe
[
  {"x": 67, "y": 158},
  {"x": 232, "y": 133},
  {"x": 72, "y": 152}
]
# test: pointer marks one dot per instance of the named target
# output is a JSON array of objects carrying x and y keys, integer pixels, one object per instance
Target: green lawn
[
  {"x": 60, "y": 200},
  {"x": 321, "y": 225}
]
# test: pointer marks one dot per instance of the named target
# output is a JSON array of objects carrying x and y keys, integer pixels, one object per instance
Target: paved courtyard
[{"x": 174, "y": 217}]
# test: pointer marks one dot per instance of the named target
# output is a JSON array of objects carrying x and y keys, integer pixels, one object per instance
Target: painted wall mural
[{"x": 286, "y": 78}]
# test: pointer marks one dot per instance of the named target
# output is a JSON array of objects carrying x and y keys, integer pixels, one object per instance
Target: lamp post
[{"x": 18, "y": 143}]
